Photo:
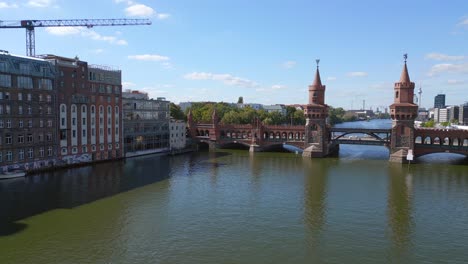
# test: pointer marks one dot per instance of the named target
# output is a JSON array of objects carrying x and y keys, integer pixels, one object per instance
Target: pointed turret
[
  {"x": 317, "y": 81},
  {"x": 404, "y": 75},
  {"x": 316, "y": 89}
]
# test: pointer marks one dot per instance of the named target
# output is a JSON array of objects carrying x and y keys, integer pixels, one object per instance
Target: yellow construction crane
[{"x": 29, "y": 25}]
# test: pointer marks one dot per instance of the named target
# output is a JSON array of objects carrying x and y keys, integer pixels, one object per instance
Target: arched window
[
  {"x": 73, "y": 108},
  {"x": 83, "y": 108},
  {"x": 116, "y": 110},
  {"x": 62, "y": 108},
  {"x": 93, "y": 109},
  {"x": 396, "y": 94}
]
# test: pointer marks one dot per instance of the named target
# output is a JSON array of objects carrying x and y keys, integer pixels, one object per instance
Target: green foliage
[
  {"x": 230, "y": 114},
  {"x": 176, "y": 112},
  {"x": 445, "y": 123},
  {"x": 454, "y": 121},
  {"x": 429, "y": 123},
  {"x": 240, "y": 100}
]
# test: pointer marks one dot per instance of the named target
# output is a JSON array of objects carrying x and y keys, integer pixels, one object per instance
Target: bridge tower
[
  {"x": 316, "y": 141},
  {"x": 403, "y": 112}
]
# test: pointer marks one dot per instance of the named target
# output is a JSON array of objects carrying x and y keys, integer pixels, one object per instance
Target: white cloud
[
  {"x": 455, "y": 82},
  {"x": 443, "y": 57},
  {"x": 40, "y": 3},
  {"x": 64, "y": 31},
  {"x": 149, "y": 57},
  {"x": 278, "y": 87},
  {"x": 163, "y": 16},
  {"x": 357, "y": 74},
  {"x": 97, "y": 51},
  {"x": 128, "y": 85},
  {"x": 289, "y": 64},
  {"x": 7, "y": 5},
  {"x": 139, "y": 10},
  {"x": 463, "y": 22},
  {"x": 84, "y": 32},
  {"x": 331, "y": 78},
  {"x": 448, "y": 67},
  {"x": 225, "y": 78}
]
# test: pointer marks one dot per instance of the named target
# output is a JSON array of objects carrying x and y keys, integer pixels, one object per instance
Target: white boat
[{"x": 12, "y": 174}]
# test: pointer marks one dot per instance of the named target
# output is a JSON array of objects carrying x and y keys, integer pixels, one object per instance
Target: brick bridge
[{"x": 318, "y": 139}]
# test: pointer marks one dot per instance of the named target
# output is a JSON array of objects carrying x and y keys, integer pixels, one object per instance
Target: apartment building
[
  {"x": 28, "y": 110},
  {"x": 89, "y": 110},
  {"x": 178, "y": 138},
  {"x": 146, "y": 124}
]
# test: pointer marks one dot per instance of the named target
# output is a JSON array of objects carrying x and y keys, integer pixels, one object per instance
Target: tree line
[{"x": 231, "y": 114}]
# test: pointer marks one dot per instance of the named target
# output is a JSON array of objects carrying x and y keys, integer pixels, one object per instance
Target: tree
[
  {"x": 240, "y": 100},
  {"x": 429, "y": 123},
  {"x": 176, "y": 112}
]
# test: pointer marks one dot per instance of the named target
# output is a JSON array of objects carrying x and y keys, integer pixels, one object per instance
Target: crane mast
[{"x": 30, "y": 25}]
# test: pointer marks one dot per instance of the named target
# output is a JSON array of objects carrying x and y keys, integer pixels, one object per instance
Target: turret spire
[
  {"x": 317, "y": 81},
  {"x": 404, "y": 74}
]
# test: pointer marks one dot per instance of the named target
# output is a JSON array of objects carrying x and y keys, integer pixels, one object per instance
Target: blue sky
[{"x": 262, "y": 50}]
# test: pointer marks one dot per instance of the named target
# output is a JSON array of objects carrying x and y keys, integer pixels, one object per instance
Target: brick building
[
  {"x": 89, "y": 110},
  {"x": 27, "y": 113}
]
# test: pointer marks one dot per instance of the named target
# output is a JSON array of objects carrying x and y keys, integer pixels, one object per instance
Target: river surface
[{"x": 230, "y": 206}]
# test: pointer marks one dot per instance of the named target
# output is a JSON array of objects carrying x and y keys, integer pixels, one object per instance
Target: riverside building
[
  {"x": 89, "y": 110},
  {"x": 28, "y": 129},
  {"x": 145, "y": 124}
]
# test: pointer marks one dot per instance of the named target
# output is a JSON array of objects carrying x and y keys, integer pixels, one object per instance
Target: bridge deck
[{"x": 360, "y": 130}]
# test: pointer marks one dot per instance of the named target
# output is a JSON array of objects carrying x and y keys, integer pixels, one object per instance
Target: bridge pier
[
  {"x": 399, "y": 156},
  {"x": 255, "y": 148}
]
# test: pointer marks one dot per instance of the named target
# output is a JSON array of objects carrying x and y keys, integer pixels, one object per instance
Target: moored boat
[{"x": 12, "y": 174}]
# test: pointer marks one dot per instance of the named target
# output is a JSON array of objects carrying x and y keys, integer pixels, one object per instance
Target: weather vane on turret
[
  {"x": 405, "y": 56},
  {"x": 317, "y": 61}
]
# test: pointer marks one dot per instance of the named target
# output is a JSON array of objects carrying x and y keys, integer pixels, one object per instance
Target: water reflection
[
  {"x": 315, "y": 204},
  {"x": 35, "y": 194},
  {"x": 399, "y": 209}
]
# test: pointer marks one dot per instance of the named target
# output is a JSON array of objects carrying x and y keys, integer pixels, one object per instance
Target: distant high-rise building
[
  {"x": 439, "y": 101},
  {"x": 463, "y": 114}
]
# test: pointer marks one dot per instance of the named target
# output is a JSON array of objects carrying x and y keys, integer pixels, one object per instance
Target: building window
[
  {"x": 30, "y": 138},
  {"x": 30, "y": 123},
  {"x": 29, "y": 110},
  {"x": 84, "y": 121},
  {"x": 9, "y": 156},
  {"x": 93, "y": 132},
  {"x": 1, "y": 159},
  {"x": 74, "y": 150},
  {"x": 40, "y": 98},
  {"x": 41, "y": 123},
  {"x": 20, "y": 124},
  {"x": 1, "y": 123},
  {"x": 49, "y": 110},
  {"x": 20, "y": 97},
  {"x": 101, "y": 147},
  {"x": 49, "y": 98},
  {"x": 74, "y": 133},
  {"x": 109, "y": 146},
  {"x": 49, "y": 123},
  {"x": 62, "y": 121},
  {"x": 49, "y": 151},
  {"x": 30, "y": 153},
  {"x": 24, "y": 82},
  {"x": 21, "y": 154},
  {"x": 20, "y": 110},
  {"x": 40, "y": 137},
  {"x": 8, "y": 123},
  {"x": 5, "y": 80},
  {"x": 49, "y": 137},
  {"x": 73, "y": 121},
  {"x": 8, "y": 139},
  {"x": 84, "y": 133},
  {"x": 116, "y": 130},
  {"x": 117, "y": 145},
  {"x": 73, "y": 109},
  {"x": 84, "y": 149},
  {"x": 62, "y": 108},
  {"x": 41, "y": 152},
  {"x": 20, "y": 139},
  {"x": 93, "y": 147}
]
